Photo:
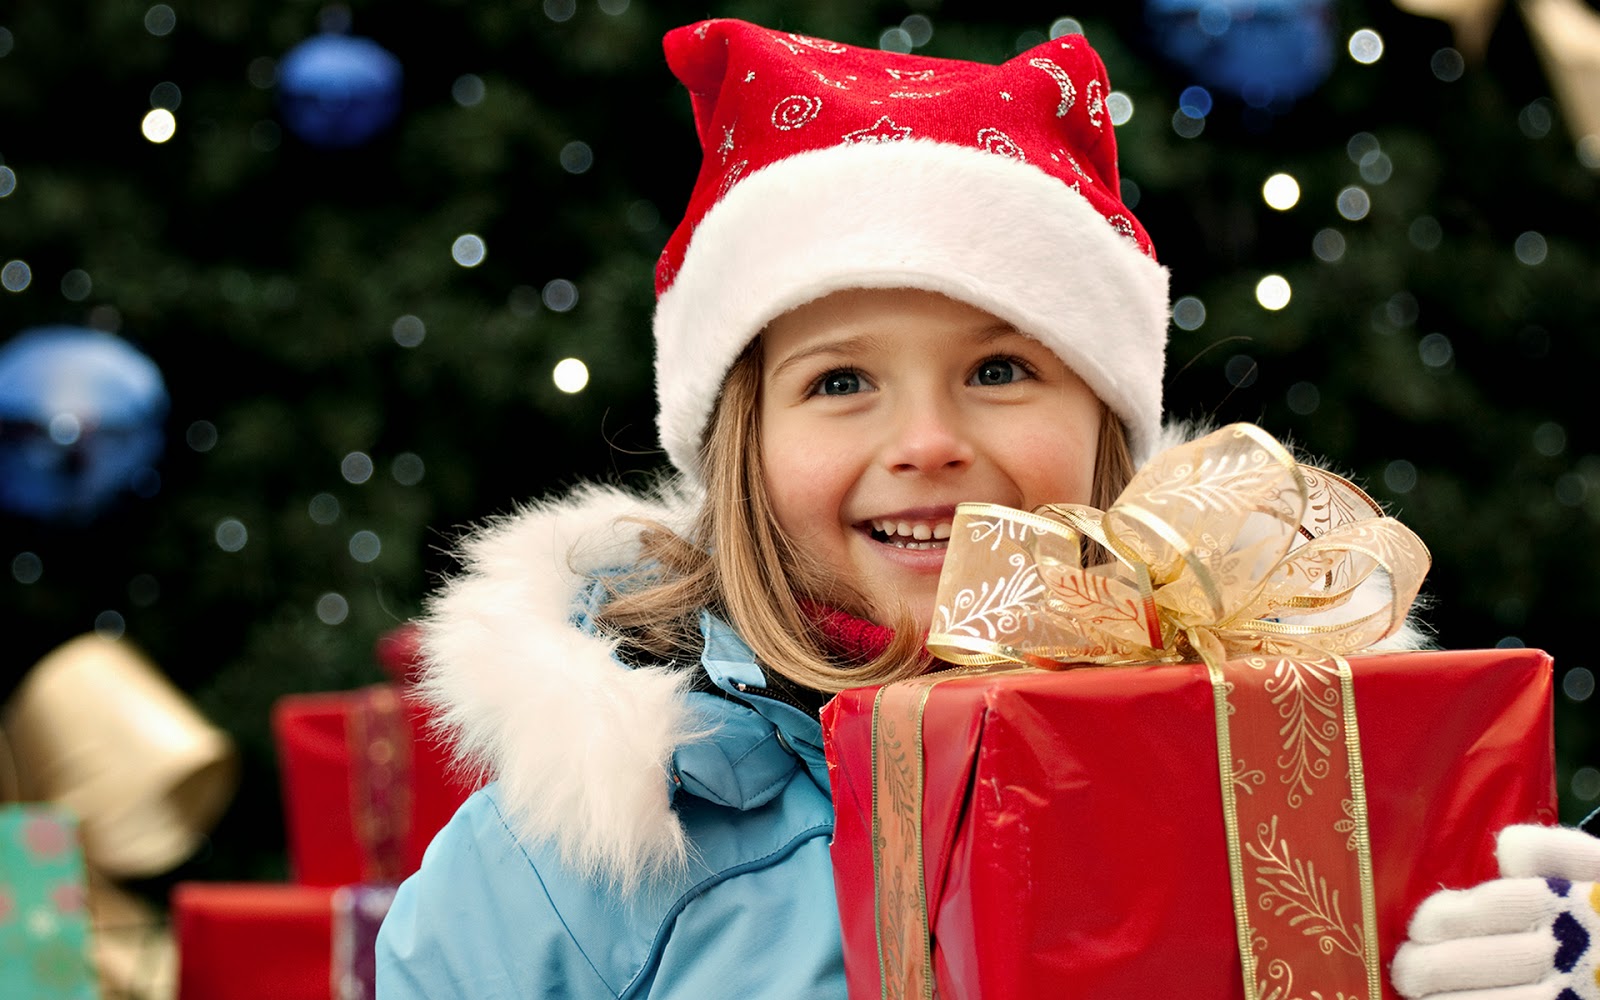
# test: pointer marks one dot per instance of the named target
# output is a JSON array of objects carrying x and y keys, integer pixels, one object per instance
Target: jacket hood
[{"x": 581, "y": 745}]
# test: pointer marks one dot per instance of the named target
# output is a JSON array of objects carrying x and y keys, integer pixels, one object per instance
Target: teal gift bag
[{"x": 44, "y": 913}]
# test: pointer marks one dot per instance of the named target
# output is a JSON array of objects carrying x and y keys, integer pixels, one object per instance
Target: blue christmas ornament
[
  {"x": 1268, "y": 53},
  {"x": 336, "y": 91},
  {"x": 81, "y": 418}
]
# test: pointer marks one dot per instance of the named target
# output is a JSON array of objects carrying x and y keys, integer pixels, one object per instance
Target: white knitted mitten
[{"x": 1532, "y": 934}]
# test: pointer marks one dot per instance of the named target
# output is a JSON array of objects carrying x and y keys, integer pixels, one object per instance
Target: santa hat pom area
[{"x": 827, "y": 166}]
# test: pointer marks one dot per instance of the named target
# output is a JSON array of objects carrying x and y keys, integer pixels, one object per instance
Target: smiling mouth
[{"x": 915, "y": 535}]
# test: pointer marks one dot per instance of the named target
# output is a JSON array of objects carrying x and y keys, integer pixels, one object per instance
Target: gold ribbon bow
[
  {"x": 97, "y": 728},
  {"x": 1225, "y": 550},
  {"x": 1221, "y": 547}
]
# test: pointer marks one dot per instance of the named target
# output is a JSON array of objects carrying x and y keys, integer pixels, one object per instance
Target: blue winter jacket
[{"x": 747, "y": 912}]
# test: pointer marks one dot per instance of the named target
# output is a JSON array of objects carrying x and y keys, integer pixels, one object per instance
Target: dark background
[{"x": 264, "y": 275}]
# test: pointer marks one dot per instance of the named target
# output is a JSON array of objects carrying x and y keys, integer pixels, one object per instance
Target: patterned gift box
[
  {"x": 364, "y": 787},
  {"x": 44, "y": 917},
  {"x": 240, "y": 941}
]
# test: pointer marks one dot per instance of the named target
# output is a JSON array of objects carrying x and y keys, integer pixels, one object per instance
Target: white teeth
[{"x": 905, "y": 531}]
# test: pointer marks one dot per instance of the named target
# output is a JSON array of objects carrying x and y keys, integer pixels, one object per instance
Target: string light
[
  {"x": 570, "y": 375},
  {"x": 1273, "y": 292},
  {"x": 159, "y": 125},
  {"x": 1281, "y": 191}
]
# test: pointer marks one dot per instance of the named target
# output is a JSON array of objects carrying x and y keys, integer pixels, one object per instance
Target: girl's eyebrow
[
  {"x": 841, "y": 345},
  {"x": 864, "y": 342}
]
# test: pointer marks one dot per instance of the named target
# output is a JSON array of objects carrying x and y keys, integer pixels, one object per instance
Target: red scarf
[{"x": 854, "y": 639}]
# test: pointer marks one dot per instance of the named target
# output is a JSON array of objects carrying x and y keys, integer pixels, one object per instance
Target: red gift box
[
  {"x": 240, "y": 941},
  {"x": 1073, "y": 827},
  {"x": 365, "y": 787}
]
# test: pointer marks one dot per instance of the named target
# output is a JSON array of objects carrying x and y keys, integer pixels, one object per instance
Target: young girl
[{"x": 901, "y": 283}]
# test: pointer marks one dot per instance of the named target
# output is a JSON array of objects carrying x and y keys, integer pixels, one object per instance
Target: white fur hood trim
[{"x": 580, "y": 744}]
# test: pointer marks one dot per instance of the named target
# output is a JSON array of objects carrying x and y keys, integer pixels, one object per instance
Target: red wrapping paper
[
  {"x": 1073, "y": 827},
  {"x": 239, "y": 941},
  {"x": 333, "y": 787}
]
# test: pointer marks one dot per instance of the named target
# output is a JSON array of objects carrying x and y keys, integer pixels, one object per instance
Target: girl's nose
[{"x": 928, "y": 436}]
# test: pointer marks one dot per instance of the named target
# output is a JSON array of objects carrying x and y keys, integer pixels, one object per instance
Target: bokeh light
[
  {"x": 16, "y": 275},
  {"x": 1376, "y": 167},
  {"x": 1119, "y": 107},
  {"x": 1531, "y": 248},
  {"x": 1535, "y": 118},
  {"x": 408, "y": 331},
  {"x": 919, "y": 29},
  {"x": 407, "y": 469},
  {"x": 1065, "y": 26},
  {"x": 159, "y": 125},
  {"x": 576, "y": 157},
  {"x": 468, "y": 250},
  {"x": 1281, "y": 191},
  {"x": 1435, "y": 350},
  {"x": 570, "y": 375},
  {"x": 356, "y": 468},
  {"x": 1550, "y": 439},
  {"x": 332, "y": 608},
  {"x": 559, "y": 295},
  {"x": 231, "y": 534},
  {"x": 1188, "y": 313},
  {"x": 166, "y": 95},
  {"x": 1195, "y": 102},
  {"x": 467, "y": 90},
  {"x": 1447, "y": 65},
  {"x": 76, "y": 285},
  {"x": 201, "y": 436},
  {"x": 1241, "y": 371},
  {"x": 323, "y": 509},
  {"x": 1273, "y": 292},
  {"x": 27, "y": 568},
  {"x": 160, "y": 19},
  {"x": 1303, "y": 398},
  {"x": 365, "y": 547},
  {"x": 1400, "y": 476},
  {"x": 1328, "y": 245},
  {"x": 896, "y": 39},
  {"x": 1586, "y": 784},
  {"x": 144, "y": 590},
  {"x": 1354, "y": 203},
  {"x": 1578, "y": 684},
  {"x": 110, "y": 625},
  {"x": 1425, "y": 233},
  {"x": 1366, "y": 46}
]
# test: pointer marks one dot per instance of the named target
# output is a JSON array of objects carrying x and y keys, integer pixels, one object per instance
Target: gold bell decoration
[
  {"x": 97, "y": 729},
  {"x": 1566, "y": 34},
  {"x": 1472, "y": 21}
]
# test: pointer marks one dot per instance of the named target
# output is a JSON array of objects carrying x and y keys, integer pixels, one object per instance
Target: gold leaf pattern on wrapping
[
  {"x": 1245, "y": 776},
  {"x": 1306, "y": 694},
  {"x": 1291, "y": 887}
]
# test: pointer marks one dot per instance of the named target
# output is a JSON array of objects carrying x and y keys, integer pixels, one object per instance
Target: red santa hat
[{"x": 827, "y": 166}]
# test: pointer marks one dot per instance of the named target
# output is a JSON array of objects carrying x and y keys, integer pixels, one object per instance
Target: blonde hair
[{"x": 736, "y": 561}]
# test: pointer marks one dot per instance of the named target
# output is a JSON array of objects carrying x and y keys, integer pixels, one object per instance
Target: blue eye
[
  {"x": 998, "y": 371},
  {"x": 839, "y": 383}
]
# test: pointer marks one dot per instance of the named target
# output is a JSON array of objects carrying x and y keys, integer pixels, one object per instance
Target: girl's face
[{"x": 881, "y": 409}]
